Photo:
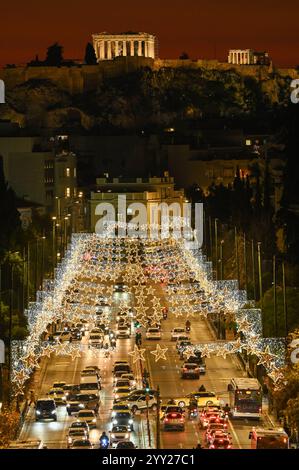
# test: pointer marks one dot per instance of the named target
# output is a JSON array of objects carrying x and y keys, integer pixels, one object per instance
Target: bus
[
  {"x": 245, "y": 398},
  {"x": 269, "y": 438}
]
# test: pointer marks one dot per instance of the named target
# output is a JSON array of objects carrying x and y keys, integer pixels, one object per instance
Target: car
[
  {"x": 200, "y": 361},
  {"x": 90, "y": 384},
  {"x": 190, "y": 371},
  {"x": 123, "y": 331},
  {"x": 91, "y": 370},
  {"x": 122, "y": 315},
  {"x": 45, "y": 408},
  {"x": 82, "y": 327},
  {"x": 88, "y": 416},
  {"x": 120, "y": 287},
  {"x": 119, "y": 433},
  {"x": 203, "y": 399},
  {"x": 176, "y": 332},
  {"x": 80, "y": 425},
  {"x": 73, "y": 404},
  {"x": 131, "y": 379},
  {"x": 122, "y": 392},
  {"x": 220, "y": 440},
  {"x": 76, "y": 334},
  {"x": 153, "y": 333},
  {"x": 208, "y": 414},
  {"x": 89, "y": 401},
  {"x": 75, "y": 434},
  {"x": 121, "y": 383},
  {"x": 117, "y": 363},
  {"x": 182, "y": 345},
  {"x": 95, "y": 340},
  {"x": 119, "y": 407},
  {"x": 211, "y": 429},
  {"x": 139, "y": 401},
  {"x": 125, "y": 445},
  {"x": 58, "y": 396},
  {"x": 62, "y": 336},
  {"x": 58, "y": 385},
  {"x": 166, "y": 408},
  {"x": 174, "y": 420},
  {"x": 123, "y": 417},
  {"x": 121, "y": 369},
  {"x": 71, "y": 389},
  {"x": 81, "y": 444},
  {"x": 218, "y": 420},
  {"x": 182, "y": 338}
]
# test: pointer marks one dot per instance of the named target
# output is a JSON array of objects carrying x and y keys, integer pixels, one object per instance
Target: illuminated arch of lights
[{"x": 93, "y": 263}]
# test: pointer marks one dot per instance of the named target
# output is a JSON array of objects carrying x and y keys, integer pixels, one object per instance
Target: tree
[
  {"x": 9, "y": 214},
  {"x": 90, "y": 55},
  {"x": 54, "y": 55},
  {"x": 184, "y": 56}
]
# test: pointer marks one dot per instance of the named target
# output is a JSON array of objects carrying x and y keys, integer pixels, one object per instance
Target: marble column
[
  {"x": 102, "y": 50},
  {"x": 116, "y": 49},
  {"x": 139, "y": 48},
  {"x": 145, "y": 48},
  {"x": 109, "y": 55},
  {"x": 132, "y": 47},
  {"x": 124, "y": 48}
]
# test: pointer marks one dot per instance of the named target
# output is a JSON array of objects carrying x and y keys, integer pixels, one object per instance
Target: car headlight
[
  {"x": 69, "y": 440},
  {"x": 53, "y": 412},
  {"x": 113, "y": 436},
  {"x": 127, "y": 436},
  {"x": 81, "y": 405},
  {"x": 115, "y": 421},
  {"x": 116, "y": 396},
  {"x": 68, "y": 405},
  {"x": 113, "y": 414},
  {"x": 37, "y": 412},
  {"x": 130, "y": 421},
  {"x": 94, "y": 420}
]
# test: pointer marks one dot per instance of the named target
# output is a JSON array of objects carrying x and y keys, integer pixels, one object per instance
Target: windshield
[
  {"x": 89, "y": 386},
  {"x": 46, "y": 404},
  {"x": 272, "y": 442},
  {"x": 86, "y": 414},
  {"x": 120, "y": 429}
]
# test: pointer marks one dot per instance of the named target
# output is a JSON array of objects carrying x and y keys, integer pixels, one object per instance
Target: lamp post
[
  {"x": 216, "y": 247},
  {"x": 285, "y": 311},
  {"x": 221, "y": 260},
  {"x": 253, "y": 269},
  {"x": 274, "y": 297},
  {"x": 54, "y": 242}
]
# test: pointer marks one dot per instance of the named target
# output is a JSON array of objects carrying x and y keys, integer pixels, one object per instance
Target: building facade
[
  {"x": 248, "y": 57},
  {"x": 108, "y": 46},
  {"x": 147, "y": 191}
]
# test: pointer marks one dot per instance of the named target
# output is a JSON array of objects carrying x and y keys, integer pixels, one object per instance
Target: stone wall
[{"x": 81, "y": 78}]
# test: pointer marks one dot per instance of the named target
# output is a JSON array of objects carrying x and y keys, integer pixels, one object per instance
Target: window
[
  {"x": 248, "y": 142},
  {"x": 67, "y": 192},
  {"x": 67, "y": 172}
]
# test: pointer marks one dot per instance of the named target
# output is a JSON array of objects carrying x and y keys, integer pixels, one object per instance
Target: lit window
[
  {"x": 248, "y": 142},
  {"x": 67, "y": 192},
  {"x": 67, "y": 172}
]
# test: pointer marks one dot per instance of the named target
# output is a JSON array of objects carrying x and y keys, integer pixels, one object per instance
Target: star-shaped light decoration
[
  {"x": 137, "y": 354},
  {"x": 19, "y": 377},
  {"x": 266, "y": 357},
  {"x": 159, "y": 353},
  {"x": 205, "y": 351}
]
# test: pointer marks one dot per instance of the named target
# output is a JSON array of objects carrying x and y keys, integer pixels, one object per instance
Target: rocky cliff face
[{"x": 146, "y": 97}]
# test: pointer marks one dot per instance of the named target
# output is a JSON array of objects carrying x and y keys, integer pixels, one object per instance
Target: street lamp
[{"x": 54, "y": 241}]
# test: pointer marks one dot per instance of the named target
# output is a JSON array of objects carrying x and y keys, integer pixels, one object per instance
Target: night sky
[{"x": 202, "y": 28}]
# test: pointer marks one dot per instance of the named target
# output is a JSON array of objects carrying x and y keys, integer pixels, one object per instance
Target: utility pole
[
  {"x": 216, "y": 247},
  {"x": 253, "y": 269},
  {"x": 285, "y": 311},
  {"x": 260, "y": 279},
  {"x": 237, "y": 255},
  {"x": 245, "y": 262},
  {"x": 158, "y": 444},
  {"x": 147, "y": 422},
  {"x": 275, "y": 297}
]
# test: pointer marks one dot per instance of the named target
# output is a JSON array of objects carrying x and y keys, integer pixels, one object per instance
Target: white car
[
  {"x": 153, "y": 333},
  {"x": 95, "y": 340},
  {"x": 81, "y": 444},
  {"x": 75, "y": 434},
  {"x": 123, "y": 331},
  {"x": 121, "y": 383},
  {"x": 89, "y": 417},
  {"x": 176, "y": 333},
  {"x": 119, "y": 433}
]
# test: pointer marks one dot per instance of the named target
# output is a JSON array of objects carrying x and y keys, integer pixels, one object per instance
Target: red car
[
  {"x": 174, "y": 421},
  {"x": 220, "y": 440}
]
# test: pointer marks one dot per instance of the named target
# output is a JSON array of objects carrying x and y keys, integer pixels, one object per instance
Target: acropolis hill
[{"x": 77, "y": 79}]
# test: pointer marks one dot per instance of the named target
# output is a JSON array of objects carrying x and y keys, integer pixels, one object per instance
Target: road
[{"x": 166, "y": 374}]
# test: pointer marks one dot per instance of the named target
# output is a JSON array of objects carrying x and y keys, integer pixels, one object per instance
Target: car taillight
[
  {"x": 212, "y": 447},
  {"x": 166, "y": 420},
  {"x": 173, "y": 415},
  {"x": 229, "y": 447},
  {"x": 220, "y": 440},
  {"x": 182, "y": 420}
]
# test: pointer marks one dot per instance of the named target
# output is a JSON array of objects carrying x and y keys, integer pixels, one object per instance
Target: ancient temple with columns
[{"x": 108, "y": 46}]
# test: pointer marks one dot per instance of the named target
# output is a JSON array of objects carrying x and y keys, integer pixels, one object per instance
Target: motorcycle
[
  {"x": 193, "y": 413},
  {"x": 104, "y": 442},
  {"x": 188, "y": 329}
]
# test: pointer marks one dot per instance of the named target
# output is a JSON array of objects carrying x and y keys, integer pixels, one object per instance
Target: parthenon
[{"x": 108, "y": 46}]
